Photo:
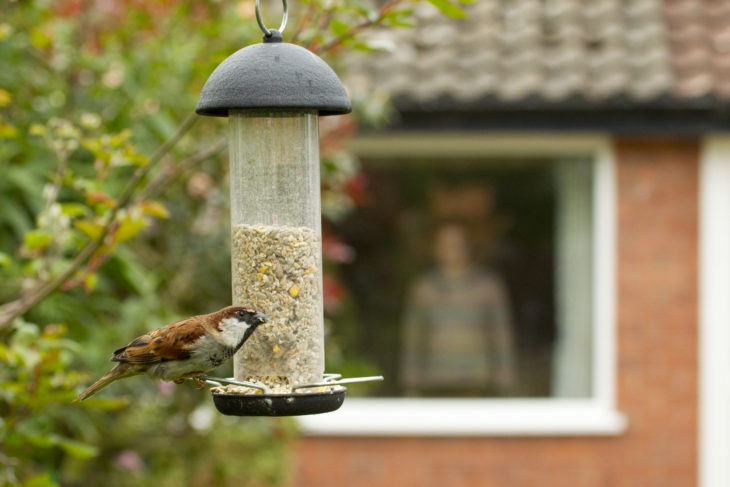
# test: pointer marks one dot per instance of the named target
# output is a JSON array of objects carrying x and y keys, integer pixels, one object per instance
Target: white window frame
[
  {"x": 714, "y": 313},
  {"x": 524, "y": 417}
]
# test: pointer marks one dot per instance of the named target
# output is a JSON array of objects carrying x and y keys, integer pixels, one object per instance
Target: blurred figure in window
[{"x": 457, "y": 335}]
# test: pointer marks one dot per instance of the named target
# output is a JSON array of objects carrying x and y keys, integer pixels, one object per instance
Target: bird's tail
[{"x": 119, "y": 372}]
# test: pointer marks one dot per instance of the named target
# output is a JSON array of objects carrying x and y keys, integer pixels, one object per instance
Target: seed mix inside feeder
[{"x": 273, "y": 94}]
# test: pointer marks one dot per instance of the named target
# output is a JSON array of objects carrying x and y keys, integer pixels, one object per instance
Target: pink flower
[
  {"x": 335, "y": 250},
  {"x": 165, "y": 388},
  {"x": 129, "y": 460}
]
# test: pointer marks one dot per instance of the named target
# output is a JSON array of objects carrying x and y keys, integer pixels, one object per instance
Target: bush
[{"x": 114, "y": 221}]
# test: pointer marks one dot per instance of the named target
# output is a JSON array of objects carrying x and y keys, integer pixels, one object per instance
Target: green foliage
[
  {"x": 41, "y": 426},
  {"x": 448, "y": 8},
  {"x": 36, "y": 387},
  {"x": 107, "y": 230}
]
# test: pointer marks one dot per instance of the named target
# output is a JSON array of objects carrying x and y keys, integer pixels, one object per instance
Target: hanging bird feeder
[{"x": 273, "y": 94}]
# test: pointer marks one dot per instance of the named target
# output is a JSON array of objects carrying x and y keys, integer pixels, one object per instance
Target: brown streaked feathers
[
  {"x": 171, "y": 342},
  {"x": 186, "y": 349}
]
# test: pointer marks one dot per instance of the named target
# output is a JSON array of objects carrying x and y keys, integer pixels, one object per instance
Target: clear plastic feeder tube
[{"x": 276, "y": 243}]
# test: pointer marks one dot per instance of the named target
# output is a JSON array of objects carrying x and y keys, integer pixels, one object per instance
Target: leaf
[
  {"x": 128, "y": 229},
  {"x": 39, "y": 38},
  {"x": 90, "y": 281},
  {"x": 4, "y": 98},
  {"x": 73, "y": 209},
  {"x": 55, "y": 331},
  {"x": 399, "y": 23},
  {"x": 7, "y": 131},
  {"x": 399, "y": 18},
  {"x": 99, "y": 197},
  {"x": 74, "y": 448},
  {"x": 448, "y": 8},
  {"x": 339, "y": 27},
  {"x": 155, "y": 208},
  {"x": 77, "y": 449},
  {"x": 5, "y": 260},
  {"x": 136, "y": 158},
  {"x": 40, "y": 480},
  {"x": 364, "y": 9},
  {"x": 95, "y": 146},
  {"x": 37, "y": 129},
  {"x": 118, "y": 139},
  {"x": 362, "y": 46},
  {"x": 37, "y": 239},
  {"x": 41, "y": 441},
  {"x": 90, "y": 229},
  {"x": 375, "y": 45}
]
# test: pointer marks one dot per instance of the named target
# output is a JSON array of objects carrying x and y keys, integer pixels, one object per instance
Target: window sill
[{"x": 467, "y": 417}]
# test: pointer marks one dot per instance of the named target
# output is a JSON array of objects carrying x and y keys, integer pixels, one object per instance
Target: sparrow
[{"x": 183, "y": 350}]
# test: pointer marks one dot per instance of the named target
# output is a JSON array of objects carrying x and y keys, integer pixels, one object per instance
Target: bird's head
[{"x": 237, "y": 323}]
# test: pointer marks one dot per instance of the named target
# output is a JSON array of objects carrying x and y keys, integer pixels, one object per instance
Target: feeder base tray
[{"x": 279, "y": 404}]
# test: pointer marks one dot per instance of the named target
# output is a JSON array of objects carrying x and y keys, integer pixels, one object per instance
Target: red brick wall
[{"x": 657, "y": 376}]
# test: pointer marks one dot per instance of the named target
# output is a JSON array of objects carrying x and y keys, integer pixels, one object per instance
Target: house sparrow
[{"x": 185, "y": 349}]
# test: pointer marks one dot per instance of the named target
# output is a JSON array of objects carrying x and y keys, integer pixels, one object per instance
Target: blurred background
[{"x": 510, "y": 213}]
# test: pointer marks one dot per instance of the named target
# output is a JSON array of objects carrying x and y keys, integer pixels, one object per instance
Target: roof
[{"x": 557, "y": 53}]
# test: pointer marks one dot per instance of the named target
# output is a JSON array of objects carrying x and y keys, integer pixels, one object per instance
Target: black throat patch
[{"x": 249, "y": 331}]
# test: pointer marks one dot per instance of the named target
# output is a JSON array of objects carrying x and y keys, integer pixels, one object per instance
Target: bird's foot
[{"x": 195, "y": 376}]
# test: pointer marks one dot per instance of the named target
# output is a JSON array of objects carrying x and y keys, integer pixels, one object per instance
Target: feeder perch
[{"x": 273, "y": 94}]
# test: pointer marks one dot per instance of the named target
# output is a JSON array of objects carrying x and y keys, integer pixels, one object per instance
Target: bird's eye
[{"x": 241, "y": 314}]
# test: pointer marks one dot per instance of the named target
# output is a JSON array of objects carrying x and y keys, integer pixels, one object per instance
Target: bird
[{"x": 183, "y": 350}]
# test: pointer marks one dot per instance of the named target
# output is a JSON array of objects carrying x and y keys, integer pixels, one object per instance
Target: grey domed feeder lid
[{"x": 275, "y": 75}]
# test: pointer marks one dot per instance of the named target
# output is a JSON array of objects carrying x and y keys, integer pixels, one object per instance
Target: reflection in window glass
[
  {"x": 457, "y": 330},
  {"x": 473, "y": 277}
]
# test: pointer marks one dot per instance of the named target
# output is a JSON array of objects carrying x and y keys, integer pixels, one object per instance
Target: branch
[
  {"x": 162, "y": 179},
  {"x": 155, "y": 158},
  {"x": 356, "y": 29},
  {"x": 13, "y": 309},
  {"x": 306, "y": 18}
]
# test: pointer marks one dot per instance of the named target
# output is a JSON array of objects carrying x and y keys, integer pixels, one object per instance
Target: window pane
[{"x": 472, "y": 278}]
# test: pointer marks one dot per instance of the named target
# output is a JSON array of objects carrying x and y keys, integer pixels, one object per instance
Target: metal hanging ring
[{"x": 284, "y": 18}]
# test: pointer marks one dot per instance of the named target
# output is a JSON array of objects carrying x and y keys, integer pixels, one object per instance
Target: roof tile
[{"x": 558, "y": 49}]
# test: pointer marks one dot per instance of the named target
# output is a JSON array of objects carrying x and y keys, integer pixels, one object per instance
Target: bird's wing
[{"x": 171, "y": 342}]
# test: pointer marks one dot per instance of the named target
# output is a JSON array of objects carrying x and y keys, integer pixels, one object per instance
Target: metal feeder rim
[
  {"x": 329, "y": 380},
  {"x": 351, "y": 380}
]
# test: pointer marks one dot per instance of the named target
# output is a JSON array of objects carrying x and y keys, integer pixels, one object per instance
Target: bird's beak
[{"x": 260, "y": 318}]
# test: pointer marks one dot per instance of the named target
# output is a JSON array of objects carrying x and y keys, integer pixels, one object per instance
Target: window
[{"x": 484, "y": 280}]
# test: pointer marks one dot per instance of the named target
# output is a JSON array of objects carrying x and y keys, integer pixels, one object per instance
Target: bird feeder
[{"x": 273, "y": 94}]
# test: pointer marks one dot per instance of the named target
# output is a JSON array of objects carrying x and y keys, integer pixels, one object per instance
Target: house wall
[{"x": 657, "y": 201}]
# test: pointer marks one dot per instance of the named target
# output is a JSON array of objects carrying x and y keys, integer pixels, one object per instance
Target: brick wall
[{"x": 657, "y": 376}]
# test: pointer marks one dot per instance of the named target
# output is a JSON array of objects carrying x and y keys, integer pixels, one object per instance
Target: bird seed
[{"x": 276, "y": 271}]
